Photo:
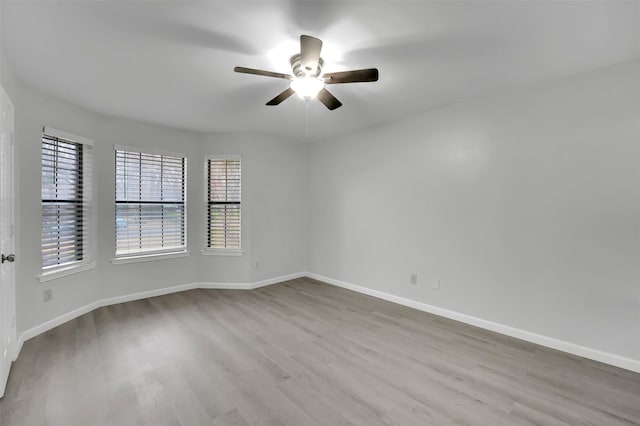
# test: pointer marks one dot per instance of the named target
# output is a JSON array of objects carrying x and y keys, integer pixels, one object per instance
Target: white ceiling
[{"x": 172, "y": 62}]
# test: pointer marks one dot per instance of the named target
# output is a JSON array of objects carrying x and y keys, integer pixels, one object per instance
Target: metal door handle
[{"x": 8, "y": 258}]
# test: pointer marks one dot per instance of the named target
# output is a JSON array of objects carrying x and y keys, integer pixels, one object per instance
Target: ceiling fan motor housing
[{"x": 300, "y": 72}]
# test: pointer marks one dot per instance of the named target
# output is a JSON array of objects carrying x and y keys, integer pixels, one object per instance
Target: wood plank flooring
[{"x": 300, "y": 353}]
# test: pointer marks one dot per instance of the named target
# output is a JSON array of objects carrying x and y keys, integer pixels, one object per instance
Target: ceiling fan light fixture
[
  {"x": 307, "y": 87},
  {"x": 307, "y": 78}
]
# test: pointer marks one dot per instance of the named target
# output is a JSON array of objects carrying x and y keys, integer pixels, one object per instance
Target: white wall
[
  {"x": 106, "y": 280},
  {"x": 121, "y": 279},
  {"x": 273, "y": 227},
  {"x": 526, "y": 206},
  {"x": 81, "y": 288},
  {"x": 273, "y": 196}
]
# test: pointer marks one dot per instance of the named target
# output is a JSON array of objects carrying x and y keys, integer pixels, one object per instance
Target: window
[
  {"x": 224, "y": 206},
  {"x": 66, "y": 196},
  {"x": 150, "y": 202}
]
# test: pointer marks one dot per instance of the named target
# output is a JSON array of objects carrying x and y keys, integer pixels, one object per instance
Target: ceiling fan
[{"x": 307, "y": 79}]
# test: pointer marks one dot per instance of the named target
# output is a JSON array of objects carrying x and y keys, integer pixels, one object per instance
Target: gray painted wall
[
  {"x": 273, "y": 192},
  {"x": 273, "y": 219},
  {"x": 525, "y": 206}
]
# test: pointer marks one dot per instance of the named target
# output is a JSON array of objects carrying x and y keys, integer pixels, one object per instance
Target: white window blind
[
  {"x": 66, "y": 201},
  {"x": 224, "y": 203},
  {"x": 150, "y": 203}
]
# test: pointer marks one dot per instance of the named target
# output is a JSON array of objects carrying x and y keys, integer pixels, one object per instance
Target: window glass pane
[
  {"x": 224, "y": 199},
  {"x": 150, "y": 202},
  {"x": 64, "y": 211}
]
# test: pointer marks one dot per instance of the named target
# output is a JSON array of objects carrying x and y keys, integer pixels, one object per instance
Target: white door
[{"x": 7, "y": 273}]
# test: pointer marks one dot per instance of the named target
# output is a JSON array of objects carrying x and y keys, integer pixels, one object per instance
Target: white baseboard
[
  {"x": 48, "y": 325},
  {"x": 572, "y": 348},
  {"x": 249, "y": 286},
  {"x": 550, "y": 342}
]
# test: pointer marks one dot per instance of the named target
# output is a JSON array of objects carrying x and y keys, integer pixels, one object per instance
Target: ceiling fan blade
[
  {"x": 281, "y": 97},
  {"x": 310, "y": 48},
  {"x": 262, "y": 72},
  {"x": 356, "y": 76},
  {"x": 328, "y": 99}
]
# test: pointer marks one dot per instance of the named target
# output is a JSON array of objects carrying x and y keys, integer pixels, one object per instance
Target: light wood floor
[{"x": 300, "y": 353}]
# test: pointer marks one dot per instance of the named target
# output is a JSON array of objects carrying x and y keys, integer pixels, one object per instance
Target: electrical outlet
[
  {"x": 414, "y": 279},
  {"x": 435, "y": 284},
  {"x": 257, "y": 264},
  {"x": 47, "y": 295}
]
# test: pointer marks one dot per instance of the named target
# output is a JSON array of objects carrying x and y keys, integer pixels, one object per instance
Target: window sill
[
  {"x": 222, "y": 252},
  {"x": 64, "y": 271},
  {"x": 149, "y": 257}
]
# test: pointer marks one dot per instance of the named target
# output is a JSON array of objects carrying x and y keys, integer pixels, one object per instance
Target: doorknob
[{"x": 8, "y": 258}]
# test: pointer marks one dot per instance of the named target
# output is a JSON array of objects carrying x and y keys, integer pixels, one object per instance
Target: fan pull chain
[{"x": 307, "y": 102}]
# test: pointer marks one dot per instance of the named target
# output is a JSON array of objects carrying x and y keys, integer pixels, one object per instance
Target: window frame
[
  {"x": 219, "y": 251},
  {"x": 152, "y": 254},
  {"x": 86, "y": 211}
]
